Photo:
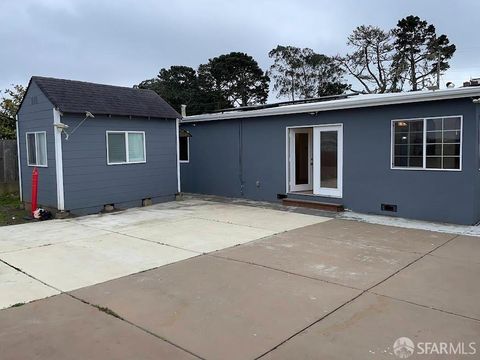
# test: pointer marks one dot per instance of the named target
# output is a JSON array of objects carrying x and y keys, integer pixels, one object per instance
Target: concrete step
[{"x": 313, "y": 205}]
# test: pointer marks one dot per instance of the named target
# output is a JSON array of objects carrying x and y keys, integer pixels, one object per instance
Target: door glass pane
[
  {"x": 328, "y": 159},
  {"x": 116, "y": 148},
  {"x": 135, "y": 147},
  {"x": 302, "y": 161},
  {"x": 42, "y": 149},
  {"x": 32, "y": 154}
]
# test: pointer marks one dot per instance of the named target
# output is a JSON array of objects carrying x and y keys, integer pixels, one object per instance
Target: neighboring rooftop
[
  {"x": 349, "y": 101},
  {"x": 71, "y": 96}
]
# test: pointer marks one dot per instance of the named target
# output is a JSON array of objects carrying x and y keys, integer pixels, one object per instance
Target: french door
[
  {"x": 316, "y": 160},
  {"x": 301, "y": 162},
  {"x": 328, "y": 160}
]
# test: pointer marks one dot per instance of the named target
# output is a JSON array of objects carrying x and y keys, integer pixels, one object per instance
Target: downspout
[
  {"x": 57, "y": 133},
  {"x": 240, "y": 156},
  {"x": 18, "y": 160},
  {"x": 179, "y": 188}
]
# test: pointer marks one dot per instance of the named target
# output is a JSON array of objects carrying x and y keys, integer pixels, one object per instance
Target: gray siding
[
  {"x": 90, "y": 183},
  {"x": 216, "y": 154},
  {"x": 38, "y": 117}
]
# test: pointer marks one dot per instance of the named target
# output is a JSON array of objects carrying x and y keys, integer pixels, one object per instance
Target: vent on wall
[
  {"x": 389, "y": 207},
  {"x": 34, "y": 100}
]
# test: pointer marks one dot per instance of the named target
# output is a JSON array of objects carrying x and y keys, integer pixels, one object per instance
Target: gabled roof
[
  {"x": 71, "y": 96},
  {"x": 358, "y": 101}
]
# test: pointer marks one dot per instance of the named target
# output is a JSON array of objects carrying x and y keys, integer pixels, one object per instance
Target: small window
[
  {"x": 37, "y": 149},
  {"x": 184, "y": 149},
  {"x": 431, "y": 143},
  {"x": 125, "y": 147}
]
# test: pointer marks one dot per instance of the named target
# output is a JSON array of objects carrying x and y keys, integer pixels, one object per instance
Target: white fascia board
[
  {"x": 358, "y": 101},
  {"x": 57, "y": 131},
  {"x": 19, "y": 160}
]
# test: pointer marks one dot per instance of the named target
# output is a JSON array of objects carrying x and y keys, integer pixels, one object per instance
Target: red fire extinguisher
[{"x": 34, "y": 189}]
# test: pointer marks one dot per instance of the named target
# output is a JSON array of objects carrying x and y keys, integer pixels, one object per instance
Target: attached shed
[
  {"x": 414, "y": 155},
  {"x": 96, "y": 145}
]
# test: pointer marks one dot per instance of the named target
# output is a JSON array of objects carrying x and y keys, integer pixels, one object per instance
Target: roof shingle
[{"x": 71, "y": 96}]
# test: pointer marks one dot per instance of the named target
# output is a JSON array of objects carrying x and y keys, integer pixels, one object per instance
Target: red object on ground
[{"x": 34, "y": 189}]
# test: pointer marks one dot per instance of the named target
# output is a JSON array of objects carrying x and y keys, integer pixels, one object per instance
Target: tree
[
  {"x": 302, "y": 73},
  {"x": 180, "y": 85},
  {"x": 420, "y": 53},
  {"x": 9, "y": 104},
  {"x": 236, "y": 77},
  {"x": 371, "y": 61}
]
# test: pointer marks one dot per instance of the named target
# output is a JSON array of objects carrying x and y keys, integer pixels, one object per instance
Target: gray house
[
  {"x": 96, "y": 145},
  {"x": 414, "y": 155}
]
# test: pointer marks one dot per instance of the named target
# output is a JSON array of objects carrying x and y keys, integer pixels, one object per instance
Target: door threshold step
[{"x": 313, "y": 205}]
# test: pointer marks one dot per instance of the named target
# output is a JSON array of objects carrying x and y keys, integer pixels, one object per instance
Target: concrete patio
[{"x": 167, "y": 282}]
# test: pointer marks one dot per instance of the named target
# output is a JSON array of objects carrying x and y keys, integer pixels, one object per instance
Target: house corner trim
[{"x": 58, "y": 160}]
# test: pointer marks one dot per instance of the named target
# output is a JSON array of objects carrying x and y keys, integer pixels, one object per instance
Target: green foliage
[
  {"x": 235, "y": 77},
  {"x": 9, "y": 104},
  {"x": 419, "y": 50},
  {"x": 302, "y": 73}
]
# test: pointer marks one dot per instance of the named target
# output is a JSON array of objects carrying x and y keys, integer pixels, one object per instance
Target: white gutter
[
  {"x": 19, "y": 161},
  {"x": 57, "y": 131},
  {"x": 178, "y": 155},
  {"x": 357, "y": 101}
]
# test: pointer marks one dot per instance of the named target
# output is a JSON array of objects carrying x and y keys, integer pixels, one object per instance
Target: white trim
[
  {"x": 36, "y": 148},
  {"x": 20, "y": 189},
  {"x": 424, "y": 161},
  {"x": 177, "y": 122},
  {"x": 58, "y": 160},
  {"x": 188, "y": 151},
  {"x": 126, "y": 132},
  {"x": 357, "y": 101},
  {"x": 317, "y": 189}
]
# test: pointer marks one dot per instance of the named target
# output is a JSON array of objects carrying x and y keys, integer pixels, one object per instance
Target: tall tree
[
  {"x": 235, "y": 76},
  {"x": 180, "y": 85},
  {"x": 302, "y": 73},
  {"x": 371, "y": 60},
  {"x": 9, "y": 104},
  {"x": 421, "y": 54}
]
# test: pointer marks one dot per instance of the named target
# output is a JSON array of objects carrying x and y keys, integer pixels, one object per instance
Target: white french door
[
  {"x": 301, "y": 159},
  {"x": 328, "y": 160}
]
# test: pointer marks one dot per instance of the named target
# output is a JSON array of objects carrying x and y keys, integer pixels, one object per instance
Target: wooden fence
[{"x": 8, "y": 166}]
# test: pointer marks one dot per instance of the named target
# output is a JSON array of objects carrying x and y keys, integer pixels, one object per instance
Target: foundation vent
[{"x": 389, "y": 207}]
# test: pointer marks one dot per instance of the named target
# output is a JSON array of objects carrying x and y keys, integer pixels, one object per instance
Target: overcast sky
[{"x": 123, "y": 42}]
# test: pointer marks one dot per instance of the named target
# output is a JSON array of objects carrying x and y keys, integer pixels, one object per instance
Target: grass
[{"x": 11, "y": 210}]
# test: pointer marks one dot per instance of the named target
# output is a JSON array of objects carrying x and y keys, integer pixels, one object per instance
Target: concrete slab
[
  {"x": 61, "y": 328},
  {"x": 446, "y": 284},
  {"x": 219, "y": 309},
  {"x": 273, "y": 220},
  {"x": 355, "y": 233},
  {"x": 24, "y": 236},
  {"x": 464, "y": 248},
  {"x": 16, "y": 287},
  {"x": 368, "y": 327},
  {"x": 196, "y": 234},
  {"x": 322, "y": 258},
  {"x": 81, "y": 263}
]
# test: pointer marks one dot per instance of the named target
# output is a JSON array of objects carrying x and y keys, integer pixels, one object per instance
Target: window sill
[
  {"x": 184, "y": 161},
  {"x": 128, "y": 163},
  {"x": 40, "y": 166},
  {"x": 424, "y": 169}
]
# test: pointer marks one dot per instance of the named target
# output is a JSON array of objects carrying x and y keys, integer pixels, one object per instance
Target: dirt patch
[{"x": 11, "y": 210}]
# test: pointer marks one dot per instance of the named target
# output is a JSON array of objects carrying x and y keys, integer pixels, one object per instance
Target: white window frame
[
  {"x": 126, "y": 132},
  {"x": 424, "y": 165},
  {"x": 188, "y": 150},
  {"x": 36, "y": 148}
]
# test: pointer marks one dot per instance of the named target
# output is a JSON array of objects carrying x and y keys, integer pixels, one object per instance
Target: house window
[
  {"x": 184, "y": 148},
  {"x": 125, "y": 147},
  {"x": 430, "y": 143},
  {"x": 37, "y": 148}
]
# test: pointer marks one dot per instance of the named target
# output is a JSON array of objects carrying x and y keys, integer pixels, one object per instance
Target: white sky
[{"x": 123, "y": 42}]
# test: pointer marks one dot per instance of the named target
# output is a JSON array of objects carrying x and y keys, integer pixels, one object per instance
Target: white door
[
  {"x": 301, "y": 162},
  {"x": 328, "y": 160}
]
